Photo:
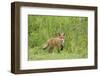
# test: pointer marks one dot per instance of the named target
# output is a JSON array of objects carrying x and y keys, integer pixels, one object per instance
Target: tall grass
[{"x": 42, "y": 28}]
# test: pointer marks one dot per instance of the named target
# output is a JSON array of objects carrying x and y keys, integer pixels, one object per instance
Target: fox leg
[
  {"x": 58, "y": 49},
  {"x": 50, "y": 49},
  {"x": 62, "y": 47}
]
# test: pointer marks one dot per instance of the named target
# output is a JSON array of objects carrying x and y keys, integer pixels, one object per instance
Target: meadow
[{"x": 41, "y": 28}]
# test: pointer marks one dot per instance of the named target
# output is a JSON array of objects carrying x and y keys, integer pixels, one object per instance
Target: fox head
[{"x": 61, "y": 36}]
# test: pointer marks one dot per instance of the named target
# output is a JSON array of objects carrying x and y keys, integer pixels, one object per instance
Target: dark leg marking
[{"x": 62, "y": 47}]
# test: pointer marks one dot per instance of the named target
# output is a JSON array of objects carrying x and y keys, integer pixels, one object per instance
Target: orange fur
[{"x": 56, "y": 42}]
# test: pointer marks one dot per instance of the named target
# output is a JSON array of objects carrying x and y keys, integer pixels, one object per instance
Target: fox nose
[{"x": 62, "y": 39}]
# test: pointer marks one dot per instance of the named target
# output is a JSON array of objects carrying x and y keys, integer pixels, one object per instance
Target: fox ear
[
  {"x": 63, "y": 34},
  {"x": 57, "y": 34}
]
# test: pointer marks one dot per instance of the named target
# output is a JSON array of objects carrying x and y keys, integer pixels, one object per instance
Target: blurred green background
[{"x": 41, "y": 28}]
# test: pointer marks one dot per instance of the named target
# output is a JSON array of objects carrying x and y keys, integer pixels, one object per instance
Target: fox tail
[{"x": 45, "y": 46}]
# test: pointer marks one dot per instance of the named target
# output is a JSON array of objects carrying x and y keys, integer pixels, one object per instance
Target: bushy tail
[{"x": 45, "y": 46}]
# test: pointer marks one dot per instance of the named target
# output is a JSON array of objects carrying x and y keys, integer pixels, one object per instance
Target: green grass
[
  {"x": 42, "y": 28},
  {"x": 41, "y": 54}
]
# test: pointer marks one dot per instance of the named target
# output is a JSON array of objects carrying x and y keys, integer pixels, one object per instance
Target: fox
[{"x": 56, "y": 42}]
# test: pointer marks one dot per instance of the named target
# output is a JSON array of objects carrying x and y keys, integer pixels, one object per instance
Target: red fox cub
[{"x": 57, "y": 42}]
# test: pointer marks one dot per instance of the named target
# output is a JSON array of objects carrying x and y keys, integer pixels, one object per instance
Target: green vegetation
[{"x": 42, "y": 28}]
